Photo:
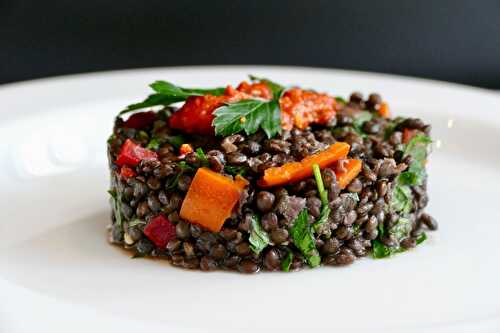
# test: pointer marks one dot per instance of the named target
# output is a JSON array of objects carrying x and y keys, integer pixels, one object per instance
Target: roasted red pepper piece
[
  {"x": 300, "y": 108},
  {"x": 195, "y": 116},
  {"x": 160, "y": 231},
  {"x": 409, "y": 134},
  {"x": 127, "y": 172},
  {"x": 140, "y": 120},
  {"x": 131, "y": 154},
  {"x": 255, "y": 89}
]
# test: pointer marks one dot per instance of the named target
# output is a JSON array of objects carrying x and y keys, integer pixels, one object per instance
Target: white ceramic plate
[{"x": 58, "y": 272}]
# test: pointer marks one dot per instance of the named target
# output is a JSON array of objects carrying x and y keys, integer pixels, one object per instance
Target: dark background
[{"x": 448, "y": 40}]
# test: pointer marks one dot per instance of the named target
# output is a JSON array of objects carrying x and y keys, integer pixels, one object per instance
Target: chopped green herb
[
  {"x": 168, "y": 93},
  {"x": 379, "y": 250},
  {"x": 408, "y": 178},
  {"x": 170, "y": 89},
  {"x": 421, "y": 238},
  {"x": 152, "y": 100},
  {"x": 322, "y": 219},
  {"x": 381, "y": 230},
  {"x": 176, "y": 140},
  {"x": 173, "y": 181},
  {"x": 142, "y": 136},
  {"x": 360, "y": 119},
  {"x": 355, "y": 229},
  {"x": 287, "y": 262},
  {"x": 323, "y": 194},
  {"x": 154, "y": 144},
  {"x": 417, "y": 148},
  {"x": 137, "y": 255},
  {"x": 116, "y": 200},
  {"x": 248, "y": 116},
  {"x": 136, "y": 222},
  {"x": 402, "y": 198},
  {"x": 259, "y": 238},
  {"x": 303, "y": 239},
  {"x": 236, "y": 170},
  {"x": 111, "y": 138},
  {"x": 202, "y": 157},
  {"x": 340, "y": 99},
  {"x": 184, "y": 166},
  {"x": 276, "y": 88},
  {"x": 391, "y": 127},
  {"x": 401, "y": 229}
]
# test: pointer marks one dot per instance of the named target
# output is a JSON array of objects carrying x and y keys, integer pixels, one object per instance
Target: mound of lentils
[{"x": 361, "y": 216}]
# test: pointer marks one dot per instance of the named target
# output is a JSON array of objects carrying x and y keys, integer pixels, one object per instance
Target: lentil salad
[{"x": 264, "y": 177}]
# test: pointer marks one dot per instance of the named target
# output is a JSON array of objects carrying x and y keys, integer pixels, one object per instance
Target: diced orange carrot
[
  {"x": 353, "y": 168},
  {"x": 240, "y": 182},
  {"x": 384, "y": 111},
  {"x": 211, "y": 198},
  {"x": 295, "y": 171},
  {"x": 408, "y": 134}
]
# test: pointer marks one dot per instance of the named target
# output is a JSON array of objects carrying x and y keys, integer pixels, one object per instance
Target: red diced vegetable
[
  {"x": 196, "y": 115},
  {"x": 127, "y": 172},
  {"x": 160, "y": 231},
  {"x": 140, "y": 120},
  {"x": 185, "y": 149},
  {"x": 131, "y": 154},
  {"x": 408, "y": 134}
]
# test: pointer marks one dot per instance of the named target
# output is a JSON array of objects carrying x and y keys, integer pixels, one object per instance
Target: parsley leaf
[
  {"x": 259, "y": 238},
  {"x": 136, "y": 222},
  {"x": 167, "y": 93},
  {"x": 360, "y": 119},
  {"x": 323, "y": 194},
  {"x": 402, "y": 198},
  {"x": 340, "y": 99},
  {"x": 287, "y": 262},
  {"x": 400, "y": 231},
  {"x": 276, "y": 88},
  {"x": 154, "y": 144},
  {"x": 421, "y": 238},
  {"x": 173, "y": 181},
  {"x": 236, "y": 170},
  {"x": 391, "y": 127},
  {"x": 176, "y": 140},
  {"x": 152, "y": 100},
  {"x": 202, "y": 157},
  {"x": 418, "y": 147},
  {"x": 248, "y": 116},
  {"x": 170, "y": 89},
  {"x": 409, "y": 177},
  {"x": 116, "y": 200},
  {"x": 303, "y": 239},
  {"x": 379, "y": 250}
]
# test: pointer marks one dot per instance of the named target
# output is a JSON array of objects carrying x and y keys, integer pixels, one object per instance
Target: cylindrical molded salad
[{"x": 266, "y": 177}]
